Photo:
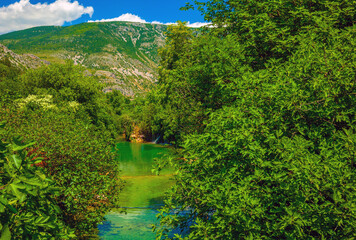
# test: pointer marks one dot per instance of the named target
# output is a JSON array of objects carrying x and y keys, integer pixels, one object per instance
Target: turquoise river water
[{"x": 142, "y": 195}]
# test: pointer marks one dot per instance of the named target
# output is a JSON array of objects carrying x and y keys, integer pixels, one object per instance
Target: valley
[{"x": 244, "y": 129}]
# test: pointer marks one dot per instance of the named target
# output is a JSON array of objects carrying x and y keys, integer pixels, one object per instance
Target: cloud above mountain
[
  {"x": 128, "y": 17},
  {"x": 23, "y": 14}
]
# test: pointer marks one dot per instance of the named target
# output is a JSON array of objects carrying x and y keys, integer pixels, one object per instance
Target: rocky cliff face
[
  {"x": 124, "y": 55},
  {"x": 23, "y": 61}
]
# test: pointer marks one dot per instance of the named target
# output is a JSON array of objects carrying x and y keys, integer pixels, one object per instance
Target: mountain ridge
[{"x": 123, "y": 54}]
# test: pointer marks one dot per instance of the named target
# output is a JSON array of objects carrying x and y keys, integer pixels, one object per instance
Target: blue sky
[{"x": 21, "y": 14}]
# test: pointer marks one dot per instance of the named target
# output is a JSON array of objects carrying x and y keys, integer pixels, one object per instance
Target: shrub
[
  {"x": 79, "y": 159},
  {"x": 28, "y": 208}
]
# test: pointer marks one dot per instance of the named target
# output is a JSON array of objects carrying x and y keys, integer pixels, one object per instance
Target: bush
[
  {"x": 68, "y": 83},
  {"x": 28, "y": 208},
  {"x": 79, "y": 159}
]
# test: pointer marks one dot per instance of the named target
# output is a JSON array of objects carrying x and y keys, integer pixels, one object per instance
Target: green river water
[{"x": 142, "y": 195}]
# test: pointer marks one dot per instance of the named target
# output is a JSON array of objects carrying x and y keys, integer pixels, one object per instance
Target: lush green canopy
[
  {"x": 274, "y": 154},
  {"x": 67, "y": 180}
]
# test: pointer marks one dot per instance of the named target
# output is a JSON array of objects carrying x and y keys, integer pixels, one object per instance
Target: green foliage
[
  {"x": 178, "y": 39},
  {"x": 138, "y": 117},
  {"x": 8, "y": 85},
  {"x": 72, "y": 122},
  {"x": 274, "y": 157},
  {"x": 69, "y": 86},
  {"x": 177, "y": 111},
  {"x": 269, "y": 29},
  {"x": 117, "y": 101},
  {"x": 88, "y": 38},
  {"x": 77, "y": 157},
  {"x": 197, "y": 76},
  {"x": 65, "y": 82},
  {"x": 28, "y": 209}
]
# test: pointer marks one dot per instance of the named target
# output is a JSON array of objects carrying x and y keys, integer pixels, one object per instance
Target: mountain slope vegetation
[{"x": 122, "y": 54}]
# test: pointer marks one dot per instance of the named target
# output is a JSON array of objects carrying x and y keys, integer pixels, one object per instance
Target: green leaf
[
  {"x": 3, "y": 203},
  {"x": 18, "y": 145},
  {"x": 31, "y": 181},
  {"x": 5, "y": 233},
  {"x": 17, "y": 161},
  {"x": 11, "y": 208},
  {"x": 15, "y": 190}
]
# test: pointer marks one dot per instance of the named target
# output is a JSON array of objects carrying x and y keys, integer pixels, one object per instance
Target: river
[{"x": 142, "y": 195}]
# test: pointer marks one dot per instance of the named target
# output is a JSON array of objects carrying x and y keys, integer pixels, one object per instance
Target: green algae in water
[
  {"x": 136, "y": 159},
  {"x": 145, "y": 191},
  {"x": 142, "y": 195}
]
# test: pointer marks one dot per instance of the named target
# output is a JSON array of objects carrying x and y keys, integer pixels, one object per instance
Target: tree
[
  {"x": 276, "y": 157},
  {"x": 67, "y": 83},
  {"x": 269, "y": 29}
]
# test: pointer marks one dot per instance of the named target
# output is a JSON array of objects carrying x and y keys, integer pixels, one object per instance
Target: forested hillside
[{"x": 122, "y": 54}]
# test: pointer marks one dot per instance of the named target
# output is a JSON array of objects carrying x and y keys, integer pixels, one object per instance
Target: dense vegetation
[
  {"x": 63, "y": 183},
  {"x": 260, "y": 107},
  {"x": 263, "y": 108},
  {"x": 27, "y": 203}
]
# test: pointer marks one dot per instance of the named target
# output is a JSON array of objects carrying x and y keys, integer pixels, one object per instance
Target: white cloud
[
  {"x": 191, "y": 25},
  {"x": 128, "y": 17},
  {"x": 197, "y": 24},
  {"x": 23, "y": 14},
  {"x": 156, "y": 22}
]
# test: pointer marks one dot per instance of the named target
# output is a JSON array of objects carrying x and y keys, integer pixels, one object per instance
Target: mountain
[
  {"x": 122, "y": 54},
  {"x": 23, "y": 61}
]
